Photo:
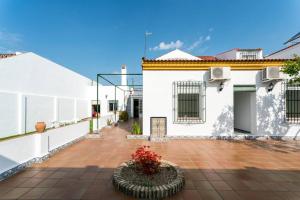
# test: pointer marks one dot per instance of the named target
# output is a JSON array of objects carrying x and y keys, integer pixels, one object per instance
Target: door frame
[
  {"x": 251, "y": 89},
  {"x": 166, "y": 128}
]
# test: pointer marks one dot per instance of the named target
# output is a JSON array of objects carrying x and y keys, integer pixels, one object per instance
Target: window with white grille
[
  {"x": 189, "y": 102},
  {"x": 249, "y": 55}
]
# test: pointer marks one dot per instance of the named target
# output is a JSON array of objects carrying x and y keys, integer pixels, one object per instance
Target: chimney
[{"x": 123, "y": 76}]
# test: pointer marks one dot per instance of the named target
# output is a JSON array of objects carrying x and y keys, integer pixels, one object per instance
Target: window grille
[
  {"x": 112, "y": 105},
  {"x": 292, "y": 102},
  {"x": 249, "y": 55},
  {"x": 189, "y": 102}
]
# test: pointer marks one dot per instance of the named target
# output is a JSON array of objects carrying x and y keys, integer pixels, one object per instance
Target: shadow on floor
[{"x": 94, "y": 182}]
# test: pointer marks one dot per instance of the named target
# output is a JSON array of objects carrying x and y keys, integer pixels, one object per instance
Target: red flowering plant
[{"x": 146, "y": 160}]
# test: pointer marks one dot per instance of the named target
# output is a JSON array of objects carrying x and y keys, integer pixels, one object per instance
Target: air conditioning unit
[
  {"x": 219, "y": 73},
  {"x": 271, "y": 73}
]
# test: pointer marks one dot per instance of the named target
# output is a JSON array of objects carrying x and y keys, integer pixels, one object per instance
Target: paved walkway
[{"x": 213, "y": 170}]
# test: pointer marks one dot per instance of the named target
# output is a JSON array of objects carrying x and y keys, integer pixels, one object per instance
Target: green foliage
[
  {"x": 91, "y": 126},
  {"x": 136, "y": 129},
  {"x": 123, "y": 116},
  {"x": 109, "y": 122},
  {"x": 292, "y": 68}
]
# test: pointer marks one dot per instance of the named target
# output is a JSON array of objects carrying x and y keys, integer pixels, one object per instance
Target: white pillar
[
  {"x": 75, "y": 110},
  {"x": 20, "y": 113},
  {"x": 55, "y": 110}
]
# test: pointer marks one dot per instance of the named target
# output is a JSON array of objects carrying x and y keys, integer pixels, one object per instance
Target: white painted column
[
  {"x": 75, "y": 110},
  {"x": 55, "y": 109},
  {"x": 20, "y": 113}
]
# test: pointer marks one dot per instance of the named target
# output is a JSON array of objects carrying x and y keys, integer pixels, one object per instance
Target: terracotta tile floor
[{"x": 213, "y": 169}]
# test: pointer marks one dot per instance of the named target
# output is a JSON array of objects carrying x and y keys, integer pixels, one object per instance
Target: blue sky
[{"x": 90, "y": 37}]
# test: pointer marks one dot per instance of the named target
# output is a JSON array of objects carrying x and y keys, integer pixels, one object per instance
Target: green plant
[
  {"x": 109, "y": 122},
  {"x": 91, "y": 125},
  {"x": 292, "y": 68},
  {"x": 123, "y": 115},
  {"x": 136, "y": 129}
]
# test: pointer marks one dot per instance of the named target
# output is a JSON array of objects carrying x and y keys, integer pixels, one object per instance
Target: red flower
[{"x": 147, "y": 161}]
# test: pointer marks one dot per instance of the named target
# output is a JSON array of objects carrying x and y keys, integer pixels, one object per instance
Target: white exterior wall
[
  {"x": 106, "y": 94},
  {"x": 287, "y": 53},
  {"x": 17, "y": 151},
  {"x": 268, "y": 117},
  {"x": 33, "y": 89},
  {"x": 157, "y": 102}
]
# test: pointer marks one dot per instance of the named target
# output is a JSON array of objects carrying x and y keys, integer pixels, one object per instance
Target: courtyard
[{"x": 214, "y": 169}]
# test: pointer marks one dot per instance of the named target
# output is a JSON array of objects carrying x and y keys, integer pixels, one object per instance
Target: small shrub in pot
[
  {"x": 123, "y": 116},
  {"x": 136, "y": 129}
]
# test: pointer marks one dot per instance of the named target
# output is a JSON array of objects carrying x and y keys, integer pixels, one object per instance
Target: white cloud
[
  {"x": 201, "y": 40},
  {"x": 166, "y": 46}
]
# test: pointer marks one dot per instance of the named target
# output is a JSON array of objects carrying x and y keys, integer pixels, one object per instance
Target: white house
[
  {"x": 288, "y": 52},
  {"x": 225, "y": 95}
]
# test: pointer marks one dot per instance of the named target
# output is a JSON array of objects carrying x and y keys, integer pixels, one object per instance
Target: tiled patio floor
[{"x": 213, "y": 170}]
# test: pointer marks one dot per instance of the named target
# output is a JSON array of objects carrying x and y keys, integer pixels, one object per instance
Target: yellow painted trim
[{"x": 192, "y": 65}]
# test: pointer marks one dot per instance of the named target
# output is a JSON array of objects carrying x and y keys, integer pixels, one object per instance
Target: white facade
[
  {"x": 107, "y": 94},
  {"x": 260, "y": 112}
]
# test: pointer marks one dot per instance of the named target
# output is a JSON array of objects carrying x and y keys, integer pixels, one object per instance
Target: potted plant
[
  {"x": 40, "y": 127},
  {"x": 109, "y": 123},
  {"x": 147, "y": 176},
  {"x": 123, "y": 116},
  {"x": 136, "y": 129}
]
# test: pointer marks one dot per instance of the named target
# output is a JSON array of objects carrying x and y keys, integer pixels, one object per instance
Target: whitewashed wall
[
  {"x": 157, "y": 102},
  {"x": 33, "y": 89},
  {"x": 38, "y": 145},
  {"x": 9, "y": 122},
  {"x": 107, "y": 93},
  {"x": 267, "y": 117}
]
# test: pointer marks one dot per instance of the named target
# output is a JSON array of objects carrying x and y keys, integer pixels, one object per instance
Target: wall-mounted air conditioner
[
  {"x": 271, "y": 73},
  {"x": 219, "y": 73}
]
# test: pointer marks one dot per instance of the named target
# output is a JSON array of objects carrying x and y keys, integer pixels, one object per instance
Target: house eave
[{"x": 206, "y": 64}]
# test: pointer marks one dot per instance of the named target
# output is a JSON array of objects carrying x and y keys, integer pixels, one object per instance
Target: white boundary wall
[
  {"x": 33, "y": 89},
  {"x": 14, "y": 152}
]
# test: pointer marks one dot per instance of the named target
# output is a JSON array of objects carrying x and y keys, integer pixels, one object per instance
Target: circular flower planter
[{"x": 166, "y": 183}]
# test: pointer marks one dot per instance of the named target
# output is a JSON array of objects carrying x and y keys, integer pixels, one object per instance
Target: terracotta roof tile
[
  {"x": 207, "y": 57},
  {"x": 6, "y": 55}
]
